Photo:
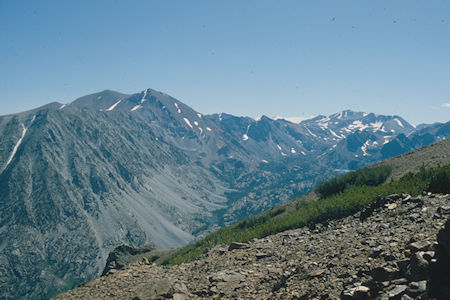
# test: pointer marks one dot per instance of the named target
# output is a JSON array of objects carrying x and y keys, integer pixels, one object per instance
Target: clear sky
[{"x": 277, "y": 58}]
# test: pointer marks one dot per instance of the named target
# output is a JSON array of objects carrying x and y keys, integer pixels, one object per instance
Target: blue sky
[{"x": 277, "y": 58}]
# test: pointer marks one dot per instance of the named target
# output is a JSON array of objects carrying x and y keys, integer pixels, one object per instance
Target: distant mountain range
[{"x": 77, "y": 180}]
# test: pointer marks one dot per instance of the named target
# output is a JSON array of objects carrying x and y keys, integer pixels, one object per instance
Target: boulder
[
  {"x": 356, "y": 293},
  {"x": 375, "y": 252},
  {"x": 416, "y": 289},
  {"x": 236, "y": 245},
  {"x": 440, "y": 275},
  {"x": 419, "y": 246},
  {"x": 382, "y": 274},
  {"x": 123, "y": 255},
  {"x": 397, "y": 291},
  {"x": 418, "y": 267},
  {"x": 443, "y": 210}
]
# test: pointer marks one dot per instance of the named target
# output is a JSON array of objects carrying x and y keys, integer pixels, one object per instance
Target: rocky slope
[
  {"x": 77, "y": 180},
  {"x": 388, "y": 252}
]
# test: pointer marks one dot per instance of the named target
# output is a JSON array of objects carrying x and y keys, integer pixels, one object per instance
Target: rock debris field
[{"x": 390, "y": 250}]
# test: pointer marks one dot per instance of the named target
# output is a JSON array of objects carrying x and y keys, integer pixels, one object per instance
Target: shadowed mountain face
[{"x": 77, "y": 180}]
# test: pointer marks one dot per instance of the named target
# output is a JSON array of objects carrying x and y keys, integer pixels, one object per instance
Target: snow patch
[
  {"x": 143, "y": 97},
  {"x": 265, "y": 161},
  {"x": 99, "y": 97},
  {"x": 196, "y": 123},
  {"x": 245, "y": 137},
  {"x": 113, "y": 106},
  {"x": 283, "y": 154},
  {"x": 364, "y": 148},
  {"x": 323, "y": 126},
  {"x": 13, "y": 153},
  {"x": 209, "y": 129},
  {"x": 187, "y": 122},
  {"x": 323, "y": 123},
  {"x": 199, "y": 115},
  {"x": 343, "y": 170},
  {"x": 376, "y": 126},
  {"x": 334, "y": 133},
  {"x": 62, "y": 106},
  {"x": 302, "y": 152},
  {"x": 136, "y": 107},
  {"x": 399, "y": 123},
  {"x": 357, "y": 125},
  {"x": 178, "y": 109},
  {"x": 311, "y": 133},
  {"x": 293, "y": 151},
  {"x": 279, "y": 147}
]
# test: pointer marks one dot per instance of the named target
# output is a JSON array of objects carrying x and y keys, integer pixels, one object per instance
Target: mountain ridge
[
  {"x": 386, "y": 249},
  {"x": 146, "y": 168}
]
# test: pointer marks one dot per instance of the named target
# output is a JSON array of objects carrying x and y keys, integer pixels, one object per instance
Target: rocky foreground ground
[{"x": 390, "y": 250}]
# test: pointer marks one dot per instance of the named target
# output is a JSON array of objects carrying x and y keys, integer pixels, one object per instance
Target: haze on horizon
[{"x": 291, "y": 59}]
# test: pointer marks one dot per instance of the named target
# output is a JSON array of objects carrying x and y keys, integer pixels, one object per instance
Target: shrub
[
  {"x": 348, "y": 201},
  {"x": 440, "y": 181},
  {"x": 368, "y": 176}
]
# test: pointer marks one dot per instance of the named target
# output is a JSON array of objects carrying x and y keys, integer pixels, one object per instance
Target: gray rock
[
  {"x": 440, "y": 275},
  {"x": 443, "y": 210},
  {"x": 123, "y": 255},
  {"x": 154, "y": 290},
  {"x": 178, "y": 296},
  {"x": 418, "y": 267},
  {"x": 361, "y": 293},
  {"x": 261, "y": 255},
  {"x": 397, "y": 291},
  {"x": 227, "y": 276},
  {"x": 317, "y": 273},
  {"x": 375, "y": 251},
  {"x": 419, "y": 246},
  {"x": 384, "y": 226},
  {"x": 399, "y": 281},
  {"x": 416, "y": 289},
  {"x": 406, "y": 197},
  {"x": 236, "y": 245},
  {"x": 356, "y": 293},
  {"x": 382, "y": 273},
  {"x": 180, "y": 288},
  {"x": 428, "y": 255},
  {"x": 389, "y": 257}
]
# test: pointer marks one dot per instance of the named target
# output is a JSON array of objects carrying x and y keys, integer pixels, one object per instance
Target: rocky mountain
[
  {"x": 396, "y": 247},
  {"x": 79, "y": 179}
]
